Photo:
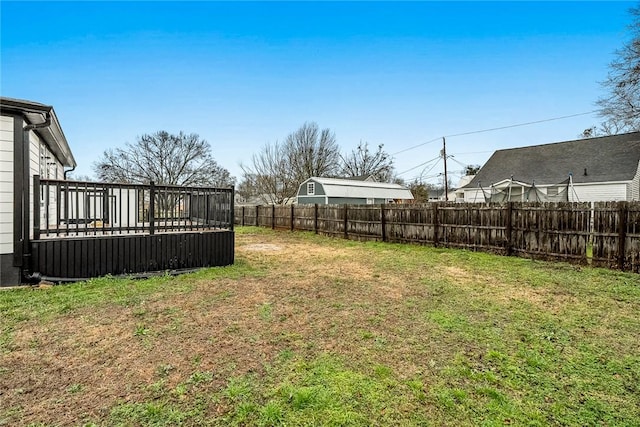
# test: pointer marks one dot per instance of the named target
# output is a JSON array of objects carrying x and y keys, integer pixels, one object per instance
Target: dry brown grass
[{"x": 306, "y": 298}]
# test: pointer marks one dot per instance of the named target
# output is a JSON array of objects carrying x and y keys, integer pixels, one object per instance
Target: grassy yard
[{"x": 308, "y": 330}]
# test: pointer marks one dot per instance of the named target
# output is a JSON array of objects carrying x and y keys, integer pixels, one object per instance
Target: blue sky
[{"x": 244, "y": 74}]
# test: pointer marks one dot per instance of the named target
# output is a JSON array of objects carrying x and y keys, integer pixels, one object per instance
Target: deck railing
[{"x": 73, "y": 208}]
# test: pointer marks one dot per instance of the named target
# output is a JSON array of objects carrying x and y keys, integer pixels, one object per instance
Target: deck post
[
  {"x": 207, "y": 208},
  {"x": 36, "y": 207},
  {"x": 232, "y": 209},
  {"x": 152, "y": 208}
]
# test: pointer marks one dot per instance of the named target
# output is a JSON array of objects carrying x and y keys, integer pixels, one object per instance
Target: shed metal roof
[
  {"x": 336, "y": 187},
  {"x": 34, "y": 113},
  {"x": 602, "y": 159}
]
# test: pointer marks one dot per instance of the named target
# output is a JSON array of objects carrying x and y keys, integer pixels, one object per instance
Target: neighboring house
[
  {"x": 31, "y": 143},
  {"x": 350, "y": 191},
  {"x": 436, "y": 195},
  {"x": 459, "y": 191},
  {"x": 585, "y": 170}
]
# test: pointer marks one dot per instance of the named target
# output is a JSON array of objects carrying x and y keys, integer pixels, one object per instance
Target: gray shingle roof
[{"x": 607, "y": 158}]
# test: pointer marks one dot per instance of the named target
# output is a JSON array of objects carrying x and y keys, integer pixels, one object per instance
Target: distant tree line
[{"x": 272, "y": 175}]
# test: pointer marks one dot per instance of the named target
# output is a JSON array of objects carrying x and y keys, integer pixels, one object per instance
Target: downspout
[
  {"x": 68, "y": 171},
  {"x": 26, "y": 189}
]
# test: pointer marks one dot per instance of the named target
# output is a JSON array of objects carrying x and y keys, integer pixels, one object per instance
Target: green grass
[{"x": 333, "y": 332}]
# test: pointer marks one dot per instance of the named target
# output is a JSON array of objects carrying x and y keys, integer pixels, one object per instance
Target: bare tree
[
  {"x": 182, "y": 159},
  {"x": 269, "y": 177},
  {"x": 312, "y": 152},
  {"x": 362, "y": 162},
  {"x": 275, "y": 173},
  {"x": 621, "y": 107}
]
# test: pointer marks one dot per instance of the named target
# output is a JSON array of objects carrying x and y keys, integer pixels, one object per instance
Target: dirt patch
[{"x": 262, "y": 247}]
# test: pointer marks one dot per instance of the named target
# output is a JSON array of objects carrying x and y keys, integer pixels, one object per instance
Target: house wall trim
[{"x": 20, "y": 177}]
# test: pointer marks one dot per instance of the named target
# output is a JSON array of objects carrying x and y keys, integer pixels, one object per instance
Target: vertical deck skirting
[{"x": 78, "y": 258}]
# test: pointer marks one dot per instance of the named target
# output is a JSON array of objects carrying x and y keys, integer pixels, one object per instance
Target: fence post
[
  {"x": 207, "y": 208},
  {"x": 292, "y": 224},
  {"x": 622, "y": 233},
  {"x": 383, "y": 223},
  {"x": 36, "y": 207},
  {"x": 242, "y": 220},
  {"x": 436, "y": 225},
  {"x": 509, "y": 228},
  {"x": 315, "y": 218},
  {"x": 152, "y": 208},
  {"x": 273, "y": 217},
  {"x": 346, "y": 233}
]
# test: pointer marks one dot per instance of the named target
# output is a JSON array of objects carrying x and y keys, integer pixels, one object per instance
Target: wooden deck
[{"x": 84, "y": 230}]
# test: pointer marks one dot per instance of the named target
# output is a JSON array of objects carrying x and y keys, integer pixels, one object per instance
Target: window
[
  {"x": 311, "y": 188},
  {"x": 371, "y": 201}
]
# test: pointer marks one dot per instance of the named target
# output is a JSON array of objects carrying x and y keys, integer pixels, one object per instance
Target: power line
[
  {"x": 430, "y": 169},
  {"x": 522, "y": 124},
  {"x": 416, "y": 146},
  {"x": 494, "y": 129},
  {"x": 482, "y": 131},
  {"x": 460, "y": 163},
  {"x": 474, "y": 152},
  {"x": 421, "y": 164}
]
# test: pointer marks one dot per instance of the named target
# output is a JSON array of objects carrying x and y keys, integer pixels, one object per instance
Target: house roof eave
[{"x": 35, "y": 113}]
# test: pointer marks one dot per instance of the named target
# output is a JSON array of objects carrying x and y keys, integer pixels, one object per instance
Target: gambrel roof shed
[{"x": 338, "y": 190}]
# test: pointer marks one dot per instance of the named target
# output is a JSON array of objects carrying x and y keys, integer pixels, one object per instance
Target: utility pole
[{"x": 444, "y": 156}]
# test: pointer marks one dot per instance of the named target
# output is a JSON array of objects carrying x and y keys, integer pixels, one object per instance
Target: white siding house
[
  {"x": 31, "y": 143},
  {"x": 6, "y": 185},
  {"x": 585, "y": 170}
]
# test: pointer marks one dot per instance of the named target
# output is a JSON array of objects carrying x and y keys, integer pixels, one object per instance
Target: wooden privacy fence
[{"x": 554, "y": 231}]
